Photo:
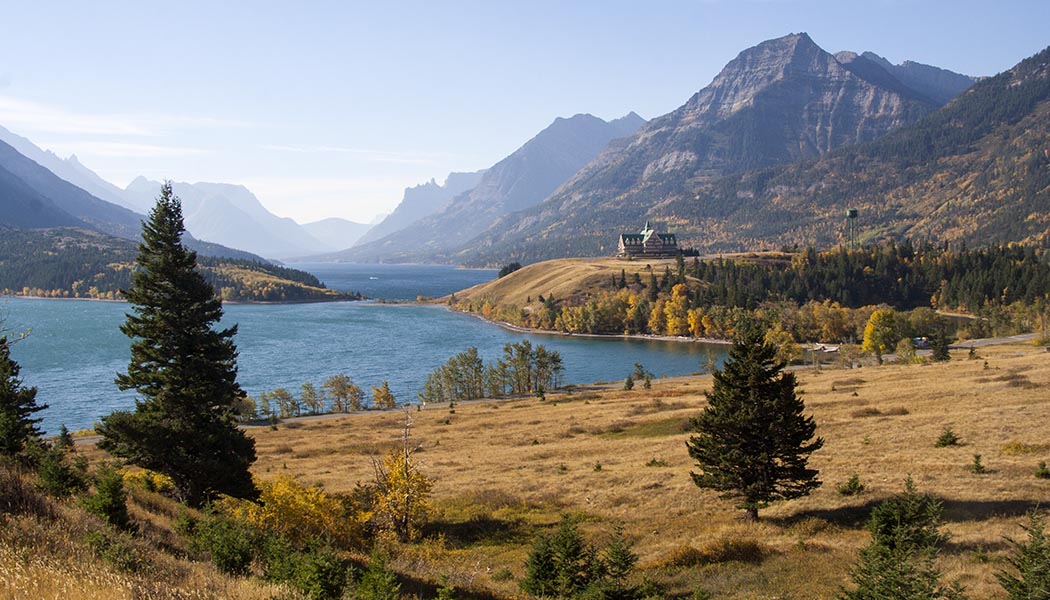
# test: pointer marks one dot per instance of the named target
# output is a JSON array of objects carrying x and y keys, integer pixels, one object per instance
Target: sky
[{"x": 331, "y": 109}]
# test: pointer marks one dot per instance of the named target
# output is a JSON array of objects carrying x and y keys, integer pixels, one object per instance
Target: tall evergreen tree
[
  {"x": 753, "y": 442},
  {"x": 17, "y": 405},
  {"x": 183, "y": 369}
]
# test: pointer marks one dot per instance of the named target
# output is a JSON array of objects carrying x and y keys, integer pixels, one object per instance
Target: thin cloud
[
  {"x": 24, "y": 115},
  {"x": 383, "y": 156}
]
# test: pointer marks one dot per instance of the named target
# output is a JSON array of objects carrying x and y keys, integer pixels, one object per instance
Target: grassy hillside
[
  {"x": 564, "y": 278},
  {"x": 573, "y": 278},
  {"x": 505, "y": 471}
]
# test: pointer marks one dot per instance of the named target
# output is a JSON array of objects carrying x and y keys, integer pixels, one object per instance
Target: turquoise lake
[{"x": 75, "y": 348}]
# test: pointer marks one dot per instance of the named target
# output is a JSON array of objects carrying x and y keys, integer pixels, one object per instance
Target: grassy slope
[
  {"x": 501, "y": 469},
  {"x": 504, "y": 470},
  {"x": 570, "y": 277}
]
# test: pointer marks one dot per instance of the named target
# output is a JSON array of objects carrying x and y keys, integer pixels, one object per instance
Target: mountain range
[
  {"x": 521, "y": 180},
  {"x": 770, "y": 154},
  {"x": 224, "y": 214},
  {"x": 780, "y": 102}
]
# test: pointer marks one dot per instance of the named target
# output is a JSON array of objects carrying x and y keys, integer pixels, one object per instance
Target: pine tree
[
  {"x": 184, "y": 371},
  {"x": 17, "y": 405},
  {"x": 752, "y": 441},
  {"x": 1029, "y": 574},
  {"x": 899, "y": 562}
]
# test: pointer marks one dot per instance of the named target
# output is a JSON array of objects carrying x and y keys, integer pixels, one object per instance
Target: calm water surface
[{"x": 76, "y": 349}]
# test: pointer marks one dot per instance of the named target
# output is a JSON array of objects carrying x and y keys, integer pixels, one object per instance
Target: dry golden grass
[
  {"x": 562, "y": 277},
  {"x": 56, "y": 550},
  {"x": 503, "y": 469},
  {"x": 569, "y": 277}
]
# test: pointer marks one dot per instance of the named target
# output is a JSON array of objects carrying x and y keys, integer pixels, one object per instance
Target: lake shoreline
[{"x": 597, "y": 336}]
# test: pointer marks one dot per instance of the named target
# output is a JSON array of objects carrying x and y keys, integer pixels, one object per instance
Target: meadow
[{"x": 504, "y": 471}]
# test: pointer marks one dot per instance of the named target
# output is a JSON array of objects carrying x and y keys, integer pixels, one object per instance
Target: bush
[
  {"x": 230, "y": 544},
  {"x": 297, "y": 512},
  {"x": 851, "y": 487},
  {"x": 378, "y": 582},
  {"x": 320, "y": 574},
  {"x": 117, "y": 550},
  {"x": 1029, "y": 573},
  {"x": 947, "y": 438},
  {"x": 900, "y": 561},
  {"x": 977, "y": 467},
  {"x": 110, "y": 500},
  {"x": 278, "y": 558},
  {"x": 561, "y": 565},
  {"x": 1042, "y": 472},
  {"x": 908, "y": 519},
  {"x": 62, "y": 474}
]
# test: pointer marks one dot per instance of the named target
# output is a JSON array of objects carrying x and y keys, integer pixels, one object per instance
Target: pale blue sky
[{"x": 332, "y": 108}]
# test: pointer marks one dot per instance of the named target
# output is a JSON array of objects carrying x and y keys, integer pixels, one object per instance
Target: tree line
[
  {"x": 814, "y": 296},
  {"x": 338, "y": 394},
  {"x": 523, "y": 369}
]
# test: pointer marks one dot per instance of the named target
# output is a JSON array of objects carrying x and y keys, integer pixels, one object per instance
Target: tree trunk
[{"x": 751, "y": 514}]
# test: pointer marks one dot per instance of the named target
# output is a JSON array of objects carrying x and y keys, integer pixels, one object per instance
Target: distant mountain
[
  {"x": 939, "y": 84},
  {"x": 421, "y": 201},
  {"x": 232, "y": 216},
  {"x": 521, "y": 180},
  {"x": 782, "y": 101},
  {"x": 71, "y": 170},
  {"x": 39, "y": 196},
  {"x": 32, "y": 197},
  {"x": 977, "y": 171},
  {"x": 334, "y": 232}
]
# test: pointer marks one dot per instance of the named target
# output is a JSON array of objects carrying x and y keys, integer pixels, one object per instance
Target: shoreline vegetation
[{"x": 864, "y": 300}]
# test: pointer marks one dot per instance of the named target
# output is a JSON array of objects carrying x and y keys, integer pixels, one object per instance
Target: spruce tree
[
  {"x": 17, "y": 405},
  {"x": 1028, "y": 574},
  {"x": 184, "y": 370},
  {"x": 753, "y": 442}
]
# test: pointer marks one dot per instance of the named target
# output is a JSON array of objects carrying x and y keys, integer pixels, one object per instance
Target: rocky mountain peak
[{"x": 759, "y": 67}]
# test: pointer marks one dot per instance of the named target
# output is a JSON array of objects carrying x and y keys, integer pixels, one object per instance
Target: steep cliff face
[
  {"x": 422, "y": 201},
  {"x": 782, "y": 101},
  {"x": 941, "y": 85},
  {"x": 977, "y": 170},
  {"x": 521, "y": 180}
]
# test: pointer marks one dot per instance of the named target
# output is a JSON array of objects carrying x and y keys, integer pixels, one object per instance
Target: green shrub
[
  {"x": 947, "y": 438},
  {"x": 320, "y": 574},
  {"x": 110, "y": 500},
  {"x": 230, "y": 544},
  {"x": 116, "y": 549},
  {"x": 851, "y": 487},
  {"x": 378, "y": 582},
  {"x": 977, "y": 467},
  {"x": 560, "y": 565},
  {"x": 62, "y": 474},
  {"x": 1028, "y": 575},
  {"x": 1042, "y": 472},
  {"x": 908, "y": 518},
  {"x": 277, "y": 558}
]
